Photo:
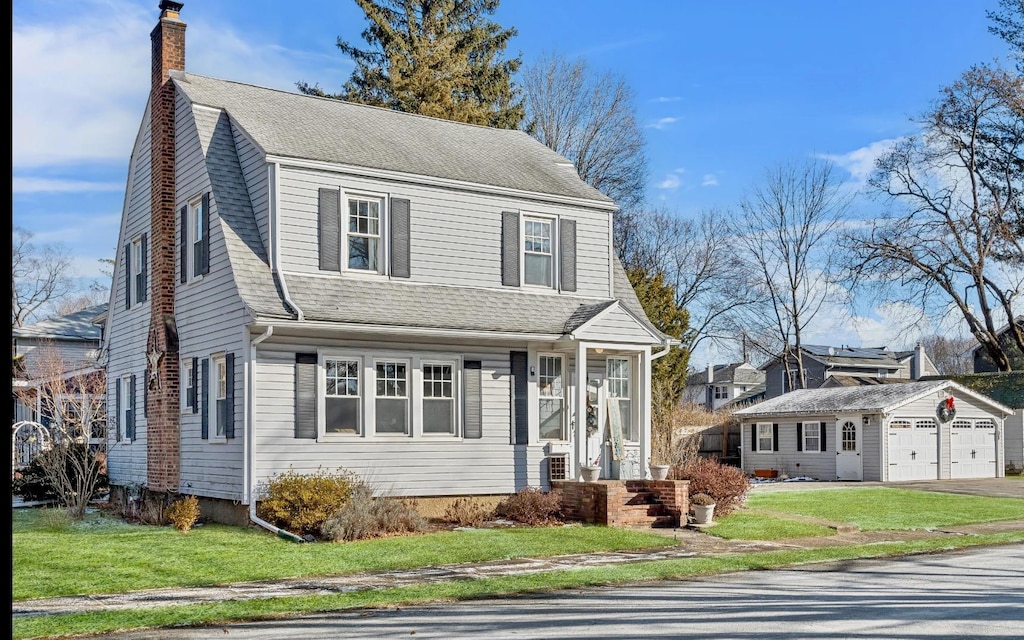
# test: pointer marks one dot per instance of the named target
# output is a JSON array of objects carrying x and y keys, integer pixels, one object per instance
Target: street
[{"x": 971, "y": 594}]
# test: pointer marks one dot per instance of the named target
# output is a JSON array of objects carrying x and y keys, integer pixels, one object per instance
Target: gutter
[
  {"x": 250, "y": 444},
  {"x": 274, "y": 170}
]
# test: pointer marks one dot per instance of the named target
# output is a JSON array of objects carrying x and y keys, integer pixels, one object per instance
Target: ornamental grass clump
[
  {"x": 467, "y": 512},
  {"x": 366, "y": 516}
]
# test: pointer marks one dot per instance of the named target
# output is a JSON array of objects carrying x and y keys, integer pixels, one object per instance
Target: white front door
[
  {"x": 973, "y": 449},
  {"x": 849, "y": 464},
  {"x": 596, "y": 421}
]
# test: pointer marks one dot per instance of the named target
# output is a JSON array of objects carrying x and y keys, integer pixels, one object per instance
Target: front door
[
  {"x": 596, "y": 421},
  {"x": 849, "y": 463}
]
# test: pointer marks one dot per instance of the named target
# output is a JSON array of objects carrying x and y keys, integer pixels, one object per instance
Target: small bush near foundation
[
  {"x": 302, "y": 503},
  {"x": 532, "y": 506},
  {"x": 365, "y": 516},
  {"x": 183, "y": 513},
  {"x": 467, "y": 512},
  {"x": 727, "y": 485}
]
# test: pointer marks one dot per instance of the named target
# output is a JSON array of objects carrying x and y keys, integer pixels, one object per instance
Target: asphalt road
[{"x": 971, "y": 594}]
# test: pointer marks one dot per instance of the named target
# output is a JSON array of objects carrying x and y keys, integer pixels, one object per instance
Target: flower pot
[
  {"x": 702, "y": 514},
  {"x": 590, "y": 473},
  {"x": 766, "y": 473},
  {"x": 659, "y": 471}
]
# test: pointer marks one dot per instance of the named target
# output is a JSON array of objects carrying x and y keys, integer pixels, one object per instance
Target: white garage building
[{"x": 910, "y": 431}]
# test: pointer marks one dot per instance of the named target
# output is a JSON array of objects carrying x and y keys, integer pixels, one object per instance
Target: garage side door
[
  {"x": 913, "y": 450},
  {"x": 973, "y": 449}
]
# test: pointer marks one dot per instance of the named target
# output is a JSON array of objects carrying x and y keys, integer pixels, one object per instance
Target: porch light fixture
[
  {"x": 866, "y": 420},
  {"x": 599, "y": 350}
]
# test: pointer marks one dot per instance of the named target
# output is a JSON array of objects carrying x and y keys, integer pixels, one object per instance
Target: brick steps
[{"x": 630, "y": 503}]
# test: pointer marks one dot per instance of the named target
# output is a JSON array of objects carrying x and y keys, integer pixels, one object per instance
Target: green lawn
[
  {"x": 105, "y": 555},
  {"x": 752, "y": 525}
]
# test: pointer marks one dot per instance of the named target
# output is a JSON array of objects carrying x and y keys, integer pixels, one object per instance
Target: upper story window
[
  {"x": 363, "y": 244},
  {"x": 721, "y": 393},
  {"x": 538, "y": 252},
  {"x": 188, "y": 379},
  {"x": 136, "y": 271},
  {"x": 551, "y": 391},
  {"x": 195, "y": 238}
]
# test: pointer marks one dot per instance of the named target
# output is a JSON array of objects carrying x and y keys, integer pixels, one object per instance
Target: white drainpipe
[{"x": 250, "y": 440}]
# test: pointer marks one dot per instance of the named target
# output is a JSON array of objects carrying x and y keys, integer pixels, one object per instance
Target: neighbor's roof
[
  {"x": 294, "y": 125},
  {"x": 74, "y": 326},
  {"x": 869, "y": 399},
  {"x": 734, "y": 372},
  {"x": 1005, "y": 387}
]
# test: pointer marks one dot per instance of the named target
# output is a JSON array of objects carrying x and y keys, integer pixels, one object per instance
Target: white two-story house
[{"x": 307, "y": 284}]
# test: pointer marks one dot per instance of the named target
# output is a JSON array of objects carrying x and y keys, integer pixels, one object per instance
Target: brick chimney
[{"x": 163, "y": 450}]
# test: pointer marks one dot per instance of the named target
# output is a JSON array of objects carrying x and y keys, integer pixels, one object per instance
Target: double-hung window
[
  {"x": 197, "y": 226},
  {"x": 125, "y": 409},
  {"x": 538, "y": 251},
  {"x": 391, "y": 397},
  {"x": 812, "y": 436},
  {"x": 765, "y": 436},
  {"x": 220, "y": 388},
  {"x": 619, "y": 391},
  {"x": 342, "y": 397},
  {"x": 363, "y": 235},
  {"x": 721, "y": 393},
  {"x": 188, "y": 378},
  {"x": 551, "y": 389},
  {"x": 139, "y": 257},
  {"x": 438, "y": 398}
]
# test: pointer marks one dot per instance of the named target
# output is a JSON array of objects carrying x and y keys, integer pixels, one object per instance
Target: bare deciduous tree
[
  {"x": 785, "y": 234},
  {"x": 949, "y": 355},
  {"x": 74, "y": 404},
  {"x": 40, "y": 275},
  {"x": 589, "y": 118},
  {"x": 951, "y": 241}
]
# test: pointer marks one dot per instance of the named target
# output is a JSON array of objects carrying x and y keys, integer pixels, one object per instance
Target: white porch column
[
  {"x": 645, "y": 412},
  {"x": 580, "y": 423}
]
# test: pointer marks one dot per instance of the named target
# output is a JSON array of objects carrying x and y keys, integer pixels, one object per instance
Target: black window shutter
[
  {"x": 821, "y": 440},
  {"x": 473, "y": 382},
  {"x": 305, "y": 395},
  {"x": 567, "y": 254},
  {"x": 130, "y": 427},
  {"x": 117, "y": 409},
  {"x": 775, "y": 437},
  {"x": 799, "y": 436},
  {"x": 510, "y": 248},
  {"x": 184, "y": 244},
  {"x": 400, "y": 237},
  {"x": 193, "y": 400},
  {"x": 520, "y": 405},
  {"x": 128, "y": 276},
  {"x": 753, "y": 437},
  {"x": 204, "y": 405},
  {"x": 329, "y": 229},
  {"x": 206, "y": 233},
  {"x": 144, "y": 288},
  {"x": 229, "y": 395}
]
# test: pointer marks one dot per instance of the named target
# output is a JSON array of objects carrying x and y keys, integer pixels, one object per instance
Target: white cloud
[
  {"x": 661, "y": 123},
  {"x": 666, "y": 99},
  {"x": 49, "y": 185},
  {"x": 861, "y": 162},
  {"x": 671, "y": 181},
  {"x": 709, "y": 180}
]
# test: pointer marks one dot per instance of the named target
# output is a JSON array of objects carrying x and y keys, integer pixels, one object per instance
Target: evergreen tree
[
  {"x": 658, "y": 298},
  {"x": 438, "y": 58}
]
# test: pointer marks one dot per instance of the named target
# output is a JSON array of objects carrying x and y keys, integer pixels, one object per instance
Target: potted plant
[
  {"x": 660, "y": 471},
  {"x": 703, "y": 507},
  {"x": 591, "y": 472}
]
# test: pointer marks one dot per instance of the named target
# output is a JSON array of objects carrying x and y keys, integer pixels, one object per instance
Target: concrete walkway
[{"x": 690, "y": 543}]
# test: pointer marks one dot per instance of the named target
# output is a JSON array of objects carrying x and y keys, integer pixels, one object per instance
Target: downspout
[
  {"x": 668, "y": 347},
  {"x": 275, "y": 238},
  {"x": 250, "y": 441}
]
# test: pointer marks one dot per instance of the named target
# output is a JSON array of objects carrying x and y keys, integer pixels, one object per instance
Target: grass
[
  {"x": 223, "y": 612},
  {"x": 105, "y": 555},
  {"x": 751, "y": 525}
]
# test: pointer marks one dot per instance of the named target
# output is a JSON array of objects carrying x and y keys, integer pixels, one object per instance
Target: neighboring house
[
  {"x": 922, "y": 430},
  {"x": 63, "y": 348},
  {"x": 720, "y": 385},
  {"x": 306, "y": 284},
  {"x": 983, "y": 361},
  {"x": 863, "y": 365},
  {"x": 1008, "y": 389}
]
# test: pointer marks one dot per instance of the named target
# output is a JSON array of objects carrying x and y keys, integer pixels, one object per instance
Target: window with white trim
[
  {"x": 551, "y": 392},
  {"x": 188, "y": 399},
  {"x": 391, "y": 397},
  {"x": 765, "y": 436},
  {"x": 342, "y": 397},
  {"x": 363, "y": 246},
  {"x": 124, "y": 412},
  {"x": 219, "y": 406},
  {"x": 538, "y": 251},
  {"x": 138, "y": 272},
  {"x": 812, "y": 436},
  {"x": 618, "y": 374},
  {"x": 984, "y": 424},
  {"x": 899, "y": 424},
  {"x": 721, "y": 393},
  {"x": 196, "y": 233},
  {"x": 438, "y": 398}
]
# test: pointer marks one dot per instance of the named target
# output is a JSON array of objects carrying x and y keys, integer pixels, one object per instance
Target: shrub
[
  {"x": 727, "y": 485},
  {"x": 302, "y": 503},
  {"x": 702, "y": 500},
  {"x": 183, "y": 513},
  {"x": 467, "y": 512},
  {"x": 532, "y": 506},
  {"x": 365, "y": 516},
  {"x": 35, "y": 482}
]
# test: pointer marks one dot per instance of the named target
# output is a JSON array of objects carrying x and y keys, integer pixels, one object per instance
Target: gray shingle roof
[
  {"x": 74, "y": 326},
  {"x": 868, "y": 399},
  {"x": 300, "y": 126}
]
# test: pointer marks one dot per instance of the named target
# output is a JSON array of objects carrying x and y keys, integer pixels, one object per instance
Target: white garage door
[
  {"x": 913, "y": 450},
  {"x": 973, "y": 449}
]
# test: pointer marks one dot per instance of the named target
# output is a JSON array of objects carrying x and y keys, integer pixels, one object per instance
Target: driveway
[
  {"x": 991, "y": 487},
  {"x": 910, "y": 597}
]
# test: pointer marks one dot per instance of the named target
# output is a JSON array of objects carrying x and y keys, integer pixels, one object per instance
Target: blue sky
[{"x": 723, "y": 89}]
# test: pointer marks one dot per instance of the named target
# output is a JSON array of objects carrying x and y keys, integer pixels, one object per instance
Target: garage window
[
  {"x": 925, "y": 424},
  {"x": 961, "y": 424},
  {"x": 899, "y": 424},
  {"x": 984, "y": 424}
]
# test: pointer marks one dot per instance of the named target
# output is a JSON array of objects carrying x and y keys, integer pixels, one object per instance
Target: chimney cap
[{"x": 169, "y": 7}]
